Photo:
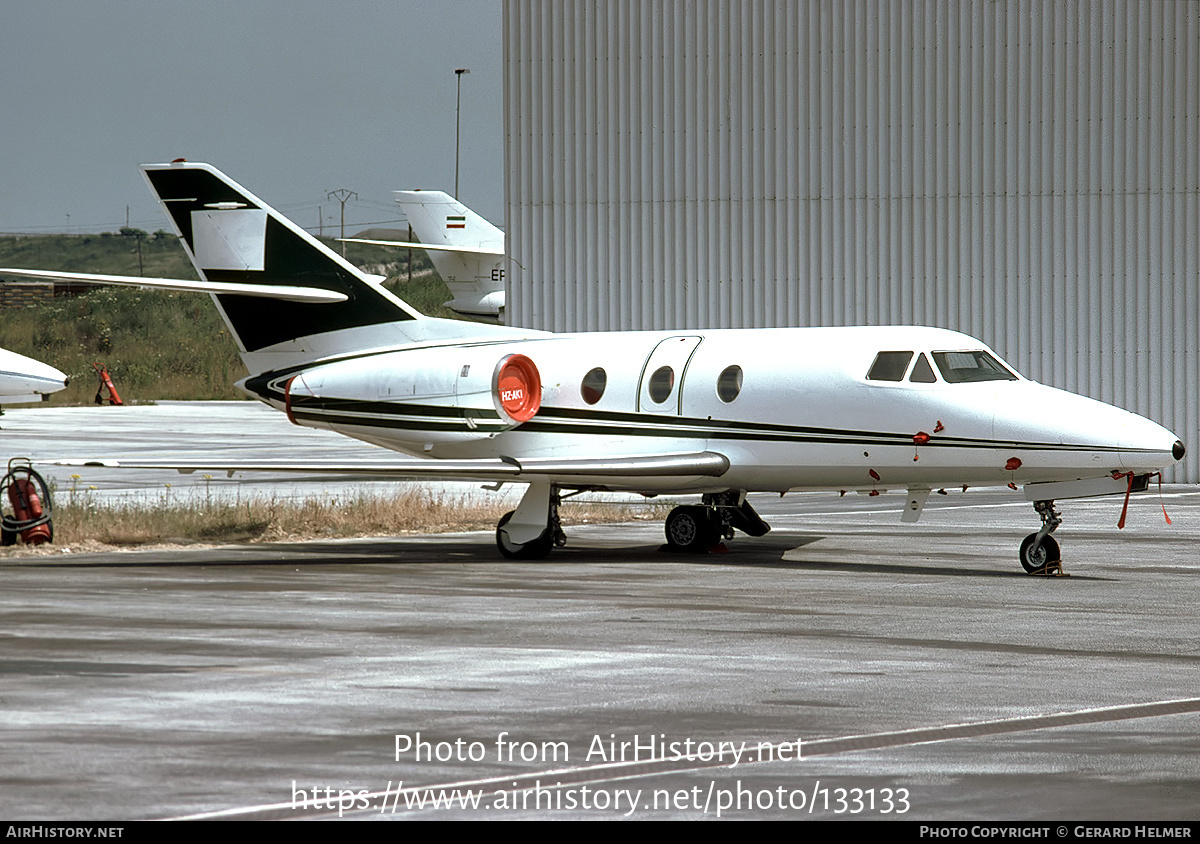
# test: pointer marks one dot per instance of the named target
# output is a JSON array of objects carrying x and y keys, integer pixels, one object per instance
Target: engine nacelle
[{"x": 425, "y": 397}]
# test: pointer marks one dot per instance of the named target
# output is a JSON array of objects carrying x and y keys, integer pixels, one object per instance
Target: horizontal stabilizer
[
  {"x": 289, "y": 293},
  {"x": 470, "y": 250},
  {"x": 704, "y": 463}
]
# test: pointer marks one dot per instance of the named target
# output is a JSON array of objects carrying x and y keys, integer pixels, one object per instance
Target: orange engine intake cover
[{"x": 518, "y": 388}]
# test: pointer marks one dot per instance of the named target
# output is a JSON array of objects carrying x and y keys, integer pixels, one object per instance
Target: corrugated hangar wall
[{"x": 1027, "y": 172}]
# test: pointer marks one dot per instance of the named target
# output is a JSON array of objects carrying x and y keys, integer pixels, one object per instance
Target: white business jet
[
  {"x": 24, "y": 379},
  {"x": 466, "y": 250},
  {"x": 716, "y": 413}
]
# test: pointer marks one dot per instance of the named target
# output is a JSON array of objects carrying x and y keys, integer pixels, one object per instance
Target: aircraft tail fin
[
  {"x": 466, "y": 249},
  {"x": 234, "y": 238}
]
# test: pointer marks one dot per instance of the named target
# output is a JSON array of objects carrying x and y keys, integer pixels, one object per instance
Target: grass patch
[
  {"x": 83, "y": 521},
  {"x": 156, "y": 345}
]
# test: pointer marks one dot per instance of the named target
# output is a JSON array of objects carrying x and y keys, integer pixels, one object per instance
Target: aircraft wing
[
  {"x": 703, "y": 463},
  {"x": 471, "y": 250},
  {"x": 287, "y": 292}
]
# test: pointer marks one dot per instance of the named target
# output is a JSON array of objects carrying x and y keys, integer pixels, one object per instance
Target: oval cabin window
[
  {"x": 593, "y": 385},
  {"x": 661, "y": 383},
  {"x": 729, "y": 383}
]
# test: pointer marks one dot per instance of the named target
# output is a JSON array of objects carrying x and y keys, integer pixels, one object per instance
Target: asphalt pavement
[{"x": 843, "y": 666}]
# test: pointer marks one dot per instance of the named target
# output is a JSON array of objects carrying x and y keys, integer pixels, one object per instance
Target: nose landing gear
[{"x": 1039, "y": 553}]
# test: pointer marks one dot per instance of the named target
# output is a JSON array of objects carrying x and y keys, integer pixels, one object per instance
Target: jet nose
[{"x": 1149, "y": 447}]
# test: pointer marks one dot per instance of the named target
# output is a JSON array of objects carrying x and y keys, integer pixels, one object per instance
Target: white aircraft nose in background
[{"x": 24, "y": 379}]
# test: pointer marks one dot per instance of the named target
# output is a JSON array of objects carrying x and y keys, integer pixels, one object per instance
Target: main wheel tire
[
  {"x": 691, "y": 529},
  {"x": 536, "y": 549},
  {"x": 1037, "y": 559}
]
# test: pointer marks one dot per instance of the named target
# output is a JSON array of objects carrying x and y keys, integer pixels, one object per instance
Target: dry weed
[{"x": 82, "y": 521}]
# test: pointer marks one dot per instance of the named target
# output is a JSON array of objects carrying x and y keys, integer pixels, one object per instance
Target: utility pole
[
  {"x": 458, "y": 123},
  {"x": 343, "y": 196}
]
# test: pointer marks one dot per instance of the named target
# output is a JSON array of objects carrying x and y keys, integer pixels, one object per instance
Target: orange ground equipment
[
  {"x": 105, "y": 384},
  {"x": 28, "y": 512}
]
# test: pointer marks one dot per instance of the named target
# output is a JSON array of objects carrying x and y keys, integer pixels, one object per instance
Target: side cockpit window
[
  {"x": 889, "y": 366},
  {"x": 967, "y": 367},
  {"x": 922, "y": 372}
]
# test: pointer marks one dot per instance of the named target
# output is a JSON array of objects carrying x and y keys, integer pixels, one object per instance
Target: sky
[{"x": 291, "y": 98}]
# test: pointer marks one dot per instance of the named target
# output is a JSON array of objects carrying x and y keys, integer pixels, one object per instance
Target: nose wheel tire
[{"x": 1036, "y": 559}]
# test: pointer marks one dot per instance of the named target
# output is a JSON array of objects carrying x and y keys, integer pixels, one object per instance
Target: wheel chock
[{"x": 1053, "y": 568}]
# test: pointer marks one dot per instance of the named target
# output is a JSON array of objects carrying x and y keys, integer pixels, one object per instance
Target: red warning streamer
[
  {"x": 1129, "y": 490},
  {"x": 919, "y": 439}
]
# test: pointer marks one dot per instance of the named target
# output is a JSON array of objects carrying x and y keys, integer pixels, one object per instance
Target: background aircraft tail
[
  {"x": 466, "y": 249},
  {"x": 233, "y": 237}
]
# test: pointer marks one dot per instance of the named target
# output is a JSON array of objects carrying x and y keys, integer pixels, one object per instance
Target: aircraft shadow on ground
[{"x": 763, "y": 552}]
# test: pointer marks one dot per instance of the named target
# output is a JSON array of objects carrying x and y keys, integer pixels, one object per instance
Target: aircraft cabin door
[{"x": 661, "y": 386}]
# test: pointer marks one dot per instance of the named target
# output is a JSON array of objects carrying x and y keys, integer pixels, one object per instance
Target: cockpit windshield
[
  {"x": 966, "y": 367},
  {"x": 889, "y": 366}
]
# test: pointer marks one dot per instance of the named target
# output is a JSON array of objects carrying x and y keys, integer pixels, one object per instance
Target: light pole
[{"x": 458, "y": 123}]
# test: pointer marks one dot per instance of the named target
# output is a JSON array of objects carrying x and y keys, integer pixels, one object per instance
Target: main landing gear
[
  {"x": 533, "y": 530},
  {"x": 1039, "y": 551},
  {"x": 697, "y": 529}
]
